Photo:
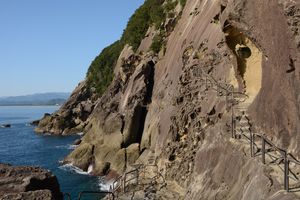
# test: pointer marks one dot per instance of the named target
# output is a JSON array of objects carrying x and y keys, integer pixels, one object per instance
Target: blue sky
[{"x": 47, "y": 46}]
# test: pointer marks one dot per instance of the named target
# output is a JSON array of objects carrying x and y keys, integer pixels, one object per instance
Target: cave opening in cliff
[{"x": 248, "y": 58}]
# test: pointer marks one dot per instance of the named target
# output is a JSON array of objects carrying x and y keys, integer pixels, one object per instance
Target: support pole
[
  {"x": 232, "y": 118},
  {"x": 251, "y": 143},
  {"x": 124, "y": 183},
  {"x": 263, "y": 150},
  {"x": 137, "y": 177},
  {"x": 286, "y": 173}
]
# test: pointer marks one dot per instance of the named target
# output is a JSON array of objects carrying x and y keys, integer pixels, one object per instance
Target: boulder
[
  {"x": 35, "y": 123},
  {"x": 28, "y": 183},
  {"x": 77, "y": 142},
  {"x": 5, "y": 126},
  {"x": 81, "y": 157}
]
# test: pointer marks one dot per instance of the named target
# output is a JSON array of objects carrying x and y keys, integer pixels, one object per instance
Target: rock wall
[
  {"x": 115, "y": 128},
  {"x": 72, "y": 117},
  {"x": 170, "y": 105}
]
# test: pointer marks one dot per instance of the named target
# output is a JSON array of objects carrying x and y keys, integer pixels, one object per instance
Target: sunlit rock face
[
  {"x": 169, "y": 105},
  {"x": 27, "y": 183}
]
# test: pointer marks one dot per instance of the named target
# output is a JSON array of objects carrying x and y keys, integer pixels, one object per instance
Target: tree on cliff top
[{"x": 100, "y": 72}]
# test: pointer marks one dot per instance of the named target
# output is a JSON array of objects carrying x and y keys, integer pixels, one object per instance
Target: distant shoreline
[{"x": 28, "y": 105}]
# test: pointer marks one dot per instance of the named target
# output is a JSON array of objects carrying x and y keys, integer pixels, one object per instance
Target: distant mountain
[{"x": 52, "y": 98}]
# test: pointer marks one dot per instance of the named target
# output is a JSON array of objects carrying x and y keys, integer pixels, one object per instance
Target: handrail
[
  {"x": 285, "y": 157},
  {"x": 229, "y": 89},
  {"x": 123, "y": 182},
  {"x": 96, "y": 192},
  {"x": 293, "y": 159}
]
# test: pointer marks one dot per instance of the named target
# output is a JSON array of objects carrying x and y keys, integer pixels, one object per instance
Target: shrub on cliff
[
  {"x": 150, "y": 13},
  {"x": 100, "y": 72},
  {"x": 183, "y": 2},
  {"x": 158, "y": 42}
]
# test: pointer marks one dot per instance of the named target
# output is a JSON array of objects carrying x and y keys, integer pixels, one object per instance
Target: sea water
[{"x": 20, "y": 145}]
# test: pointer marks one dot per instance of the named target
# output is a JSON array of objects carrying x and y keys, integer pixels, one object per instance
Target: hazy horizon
[
  {"x": 48, "y": 46},
  {"x": 38, "y": 93}
]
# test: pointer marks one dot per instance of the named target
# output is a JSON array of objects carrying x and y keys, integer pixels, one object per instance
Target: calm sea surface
[{"x": 19, "y": 145}]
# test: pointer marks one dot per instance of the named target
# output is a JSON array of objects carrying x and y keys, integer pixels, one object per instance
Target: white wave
[
  {"x": 81, "y": 133},
  {"x": 72, "y": 168},
  {"x": 90, "y": 169},
  {"x": 105, "y": 186},
  {"x": 71, "y": 146}
]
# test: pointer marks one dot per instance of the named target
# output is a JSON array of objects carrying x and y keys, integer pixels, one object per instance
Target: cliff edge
[{"x": 225, "y": 70}]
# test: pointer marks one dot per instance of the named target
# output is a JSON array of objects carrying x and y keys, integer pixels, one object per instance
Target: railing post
[
  {"x": 263, "y": 150},
  {"x": 137, "y": 177},
  {"x": 232, "y": 118},
  {"x": 251, "y": 143},
  {"x": 124, "y": 183},
  {"x": 286, "y": 173}
]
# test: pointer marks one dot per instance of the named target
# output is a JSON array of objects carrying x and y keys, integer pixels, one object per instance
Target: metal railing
[
  {"x": 227, "y": 90},
  {"x": 266, "y": 148},
  {"x": 111, "y": 194},
  {"x": 136, "y": 177}
]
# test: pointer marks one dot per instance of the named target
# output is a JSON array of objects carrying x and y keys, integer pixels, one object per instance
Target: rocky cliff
[
  {"x": 222, "y": 62},
  {"x": 71, "y": 117}
]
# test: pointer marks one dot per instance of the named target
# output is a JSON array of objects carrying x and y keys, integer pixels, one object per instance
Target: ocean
[{"x": 20, "y": 145}]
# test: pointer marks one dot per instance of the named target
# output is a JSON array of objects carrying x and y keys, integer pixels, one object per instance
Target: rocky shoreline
[
  {"x": 28, "y": 183},
  {"x": 221, "y": 61}
]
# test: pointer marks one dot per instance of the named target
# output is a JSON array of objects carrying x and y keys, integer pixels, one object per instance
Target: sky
[{"x": 48, "y": 45}]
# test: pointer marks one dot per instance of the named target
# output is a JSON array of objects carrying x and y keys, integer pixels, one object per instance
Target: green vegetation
[
  {"x": 158, "y": 42},
  {"x": 100, "y": 72},
  {"x": 151, "y": 13},
  {"x": 182, "y": 3},
  {"x": 170, "y": 5}
]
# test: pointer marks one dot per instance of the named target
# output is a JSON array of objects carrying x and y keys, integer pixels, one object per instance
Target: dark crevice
[
  {"x": 291, "y": 65},
  {"x": 150, "y": 82},
  {"x": 122, "y": 130},
  {"x": 140, "y": 113},
  {"x": 222, "y": 8},
  {"x": 216, "y": 19}
]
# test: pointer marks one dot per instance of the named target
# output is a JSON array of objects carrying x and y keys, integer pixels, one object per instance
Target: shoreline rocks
[
  {"x": 35, "y": 123},
  {"x": 5, "y": 126},
  {"x": 27, "y": 183},
  {"x": 72, "y": 116}
]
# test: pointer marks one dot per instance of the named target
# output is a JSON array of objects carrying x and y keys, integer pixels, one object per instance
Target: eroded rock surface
[
  {"x": 27, "y": 183},
  {"x": 72, "y": 117},
  {"x": 117, "y": 123},
  {"x": 176, "y": 107}
]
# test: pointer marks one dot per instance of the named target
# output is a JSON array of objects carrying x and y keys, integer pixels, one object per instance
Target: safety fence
[
  {"x": 137, "y": 179},
  {"x": 259, "y": 143}
]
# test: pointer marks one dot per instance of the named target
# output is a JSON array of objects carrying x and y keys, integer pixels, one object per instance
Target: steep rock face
[
  {"x": 116, "y": 125},
  {"x": 71, "y": 117},
  {"x": 177, "y": 106},
  {"x": 234, "y": 43},
  {"x": 28, "y": 183}
]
